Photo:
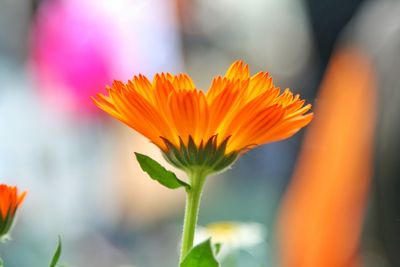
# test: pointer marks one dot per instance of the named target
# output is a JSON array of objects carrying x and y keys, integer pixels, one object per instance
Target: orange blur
[{"x": 322, "y": 213}]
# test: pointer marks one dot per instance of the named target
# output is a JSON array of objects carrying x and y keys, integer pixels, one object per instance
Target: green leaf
[
  {"x": 158, "y": 172},
  {"x": 200, "y": 256},
  {"x": 57, "y": 254},
  {"x": 1, "y": 263}
]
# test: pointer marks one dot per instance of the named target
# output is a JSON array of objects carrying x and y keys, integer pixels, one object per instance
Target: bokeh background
[{"x": 78, "y": 164}]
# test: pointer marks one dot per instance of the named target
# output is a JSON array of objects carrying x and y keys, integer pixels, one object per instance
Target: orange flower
[
  {"x": 210, "y": 129},
  {"x": 9, "y": 203}
]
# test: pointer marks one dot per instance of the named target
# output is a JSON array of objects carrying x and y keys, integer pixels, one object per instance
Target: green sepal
[
  {"x": 6, "y": 224},
  {"x": 159, "y": 173},
  {"x": 192, "y": 151},
  {"x": 174, "y": 155},
  {"x": 201, "y": 255},
  {"x": 185, "y": 151},
  {"x": 211, "y": 156},
  {"x": 57, "y": 253}
]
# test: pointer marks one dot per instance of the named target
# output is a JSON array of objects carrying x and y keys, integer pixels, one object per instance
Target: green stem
[{"x": 193, "y": 196}]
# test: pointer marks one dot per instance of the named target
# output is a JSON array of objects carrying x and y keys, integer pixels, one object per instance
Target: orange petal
[
  {"x": 238, "y": 71},
  {"x": 189, "y": 111}
]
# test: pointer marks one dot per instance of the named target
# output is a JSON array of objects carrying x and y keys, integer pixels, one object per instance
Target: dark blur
[{"x": 78, "y": 165}]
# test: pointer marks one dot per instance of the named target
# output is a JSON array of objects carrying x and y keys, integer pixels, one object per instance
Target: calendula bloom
[
  {"x": 208, "y": 130},
  {"x": 9, "y": 203}
]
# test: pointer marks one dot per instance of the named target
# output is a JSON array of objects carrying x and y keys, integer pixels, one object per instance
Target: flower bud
[{"x": 10, "y": 200}]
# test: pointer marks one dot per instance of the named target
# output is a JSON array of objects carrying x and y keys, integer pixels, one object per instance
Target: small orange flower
[
  {"x": 210, "y": 129},
  {"x": 9, "y": 203}
]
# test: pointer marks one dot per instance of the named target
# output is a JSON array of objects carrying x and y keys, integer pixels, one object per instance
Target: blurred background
[{"x": 78, "y": 164}]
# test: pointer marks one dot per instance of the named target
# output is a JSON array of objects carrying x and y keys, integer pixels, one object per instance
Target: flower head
[
  {"x": 210, "y": 129},
  {"x": 9, "y": 203}
]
